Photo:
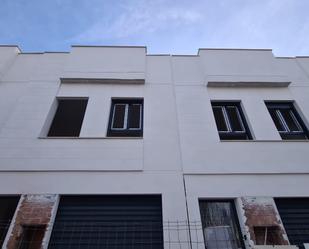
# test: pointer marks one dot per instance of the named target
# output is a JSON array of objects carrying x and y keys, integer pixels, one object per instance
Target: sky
[{"x": 164, "y": 26}]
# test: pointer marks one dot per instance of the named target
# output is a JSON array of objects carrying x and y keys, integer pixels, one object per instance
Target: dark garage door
[
  {"x": 294, "y": 213},
  {"x": 8, "y": 206},
  {"x": 109, "y": 221}
]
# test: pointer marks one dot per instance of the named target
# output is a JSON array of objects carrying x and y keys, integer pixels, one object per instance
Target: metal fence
[
  {"x": 95, "y": 235},
  {"x": 108, "y": 235}
]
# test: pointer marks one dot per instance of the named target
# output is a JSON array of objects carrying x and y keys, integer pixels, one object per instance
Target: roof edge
[
  {"x": 145, "y": 48},
  {"x": 107, "y": 46},
  {"x": 11, "y": 46},
  {"x": 240, "y": 49}
]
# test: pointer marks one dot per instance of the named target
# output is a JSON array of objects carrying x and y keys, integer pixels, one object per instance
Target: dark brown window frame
[
  {"x": 126, "y": 131},
  {"x": 285, "y": 132},
  {"x": 231, "y": 134}
]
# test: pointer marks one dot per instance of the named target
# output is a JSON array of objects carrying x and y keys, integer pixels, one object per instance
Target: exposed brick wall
[
  {"x": 34, "y": 210},
  {"x": 262, "y": 212}
]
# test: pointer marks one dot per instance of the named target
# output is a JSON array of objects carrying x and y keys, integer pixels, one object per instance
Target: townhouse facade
[{"x": 111, "y": 147}]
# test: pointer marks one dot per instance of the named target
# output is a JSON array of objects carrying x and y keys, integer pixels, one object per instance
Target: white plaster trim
[
  {"x": 242, "y": 222},
  {"x": 50, "y": 225}
]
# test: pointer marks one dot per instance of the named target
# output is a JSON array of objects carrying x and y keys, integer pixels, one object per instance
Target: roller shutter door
[
  {"x": 8, "y": 206},
  {"x": 109, "y": 221},
  {"x": 294, "y": 213}
]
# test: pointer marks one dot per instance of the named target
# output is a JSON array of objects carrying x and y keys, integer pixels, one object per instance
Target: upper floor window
[
  {"x": 287, "y": 120},
  {"x": 230, "y": 120},
  {"x": 126, "y": 118},
  {"x": 69, "y": 117}
]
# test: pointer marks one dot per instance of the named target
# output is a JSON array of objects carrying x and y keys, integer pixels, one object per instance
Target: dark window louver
[
  {"x": 117, "y": 222},
  {"x": 294, "y": 213}
]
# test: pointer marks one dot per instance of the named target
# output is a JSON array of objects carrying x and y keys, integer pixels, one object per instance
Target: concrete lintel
[
  {"x": 101, "y": 81},
  {"x": 247, "y": 84}
]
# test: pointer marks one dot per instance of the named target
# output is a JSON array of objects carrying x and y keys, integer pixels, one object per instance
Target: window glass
[
  {"x": 119, "y": 115},
  {"x": 219, "y": 117},
  {"x": 134, "y": 116},
  {"x": 234, "y": 118},
  {"x": 290, "y": 120},
  {"x": 275, "y": 117}
]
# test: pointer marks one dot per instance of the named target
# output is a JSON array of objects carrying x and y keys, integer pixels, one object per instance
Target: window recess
[
  {"x": 68, "y": 118},
  {"x": 230, "y": 121},
  {"x": 32, "y": 237},
  {"x": 126, "y": 118},
  {"x": 267, "y": 235},
  {"x": 287, "y": 120}
]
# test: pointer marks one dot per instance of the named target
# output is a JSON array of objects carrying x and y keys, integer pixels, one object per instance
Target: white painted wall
[
  {"x": 180, "y": 136},
  {"x": 106, "y": 62},
  {"x": 8, "y": 56},
  {"x": 236, "y": 65}
]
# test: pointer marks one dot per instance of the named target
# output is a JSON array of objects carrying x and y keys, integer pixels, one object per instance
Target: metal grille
[
  {"x": 176, "y": 236},
  {"x": 294, "y": 213},
  {"x": 4, "y": 226}
]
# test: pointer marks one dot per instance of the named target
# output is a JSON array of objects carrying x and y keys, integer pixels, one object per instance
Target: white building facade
[{"x": 111, "y": 147}]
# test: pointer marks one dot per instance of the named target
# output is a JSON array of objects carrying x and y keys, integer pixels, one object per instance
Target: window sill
[{"x": 90, "y": 137}]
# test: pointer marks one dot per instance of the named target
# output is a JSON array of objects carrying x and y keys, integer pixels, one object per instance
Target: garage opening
[
  {"x": 294, "y": 213},
  {"x": 109, "y": 221}
]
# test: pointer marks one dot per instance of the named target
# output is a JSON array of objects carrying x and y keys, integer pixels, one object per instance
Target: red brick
[
  {"x": 259, "y": 212},
  {"x": 32, "y": 211}
]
